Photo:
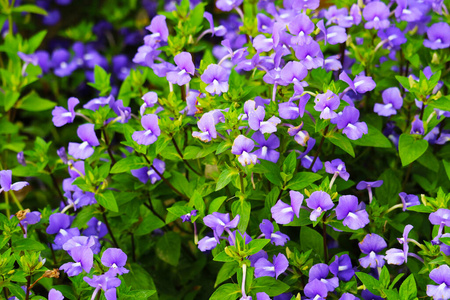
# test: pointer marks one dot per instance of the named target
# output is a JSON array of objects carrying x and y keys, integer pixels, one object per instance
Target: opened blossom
[
  {"x": 151, "y": 132},
  {"x": 84, "y": 150},
  {"x": 283, "y": 213},
  {"x": 319, "y": 202},
  {"x": 242, "y": 146},
  {"x": 354, "y": 215},
  {"x": 62, "y": 116},
  {"x": 216, "y": 78}
]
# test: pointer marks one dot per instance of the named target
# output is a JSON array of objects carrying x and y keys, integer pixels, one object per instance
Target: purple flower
[
  {"x": 417, "y": 126},
  {"x": 263, "y": 267},
  {"x": 106, "y": 282},
  {"x": 369, "y": 185},
  {"x": 95, "y": 228},
  {"x": 256, "y": 121},
  {"x": 187, "y": 217},
  {"x": 228, "y": 5},
  {"x": 337, "y": 166},
  {"x": 310, "y": 55},
  {"x": 371, "y": 245},
  {"x": 438, "y": 36},
  {"x": 301, "y": 27},
  {"x": 393, "y": 37},
  {"x": 150, "y": 99},
  {"x": 185, "y": 66},
  {"x": 392, "y": 100},
  {"x": 277, "y": 238},
  {"x": 348, "y": 296},
  {"x": 307, "y": 160},
  {"x": 396, "y": 256},
  {"x": 440, "y": 275},
  {"x": 208, "y": 243},
  {"x": 266, "y": 147},
  {"x": 361, "y": 84},
  {"x": 326, "y": 104},
  {"x": 242, "y": 146},
  {"x": 31, "y": 218},
  {"x": 151, "y": 132},
  {"x": 320, "y": 272},
  {"x": 442, "y": 218},
  {"x": 55, "y": 295},
  {"x": 319, "y": 201},
  {"x": 159, "y": 29},
  {"x": 6, "y": 180},
  {"x": 348, "y": 121},
  {"x": 354, "y": 215},
  {"x": 294, "y": 72},
  {"x": 145, "y": 174},
  {"x": 302, "y": 137},
  {"x": 115, "y": 259},
  {"x": 95, "y": 103},
  {"x": 84, "y": 260},
  {"x": 284, "y": 213},
  {"x": 408, "y": 200},
  {"x": 81, "y": 241},
  {"x": 316, "y": 290},
  {"x": 376, "y": 14},
  {"x": 342, "y": 267},
  {"x": 21, "y": 158},
  {"x": 216, "y": 78},
  {"x": 123, "y": 113},
  {"x": 220, "y": 222},
  {"x": 84, "y": 150},
  {"x": 207, "y": 124}
]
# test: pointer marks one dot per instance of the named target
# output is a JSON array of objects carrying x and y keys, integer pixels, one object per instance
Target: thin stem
[
  {"x": 113, "y": 161},
  {"x": 422, "y": 111},
  {"x": 244, "y": 274},
  {"x": 67, "y": 208},
  {"x": 394, "y": 207},
  {"x": 319, "y": 148},
  {"x": 133, "y": 247},
  {"x": 274, "y": 92},
  {"x": 183, "y": 93},
  {"x": 241, "y": 179},
  {"x": 324, "y": 238},
  {"x": 181, "y": 154},
  {"x": 55, "y": 185},
  {"x": 27, "y": 293},
  {"x": 240, "y": 13},
  {"x": 8, "y": 211},
  {"x": 369, "y": 190},
  {"x": 84, "y": 117},
  {"x": 333, "y": 179},
  {"x": 408, "y": 172},
  {"x": 416, "y": 256},
  {"x": 195, "y": 233},
  {"x": 105, "y": 219},
  {"x": 16, "y": 200},
  {"x": 225, "y": 58}
]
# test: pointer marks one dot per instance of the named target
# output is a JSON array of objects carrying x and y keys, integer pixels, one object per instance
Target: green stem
[
  {"x": 181, "y": 155},
  {"x": 319, "y": 148},
  {"x": 113, "y": 161},
  {"x": 16, "y": 200},
  {"x": 105, "y": 219},
  {"x": 8, "y": 211}
]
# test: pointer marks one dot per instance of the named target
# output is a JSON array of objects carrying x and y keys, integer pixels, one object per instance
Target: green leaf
[
  {"x": 227, "y": 270},
  {"x": 216, "y": 204},
  {"x": 228, "y": 291},
  {"x": 33, "y": 102},
  {"x": 83, "y": 216},
  {"x": 168, "y": 248},
  {"x": 198, "y": 202},
  {"x": 342, "y": 142},
  {"x": 9, "y": 99},
  {"x": 384, "y": 277},
  {"x": 374, "y": 138},
  {"x": 223, "y": 257},
  {"x": 272, "y": 172},
  {"x": 421, "y": 208},
  {"x": 410, "y": 149},
  {"x": 101, "y": 81},
  {"x": 269, "y": 285},
  {"x": 243, "y": 209},
  {"x": 371, "y": 283},
  {"x": 36, "y": 40},
  {"x": 194, "y": 152},
  {"x": 138, "y": 294},
  {"x": 30, "y": 8},
  {"x": 27, "y": 244},
  {"x": 388, "y": 192},
  {"x": 16, "y": 290},
  {"x": 290, "y": 163},
  {"x": 179, "y": 210},
  {"x": 256, "y": 245},
  {"x": 311, "y": 239},
  {"x": 447, "y": 167},
  {"x": 442, "y": 103},
  {"x": 127, "y": 164},
  {"x": 404, "y": 81},
  {"x": 302, "y": 180},
  {"x": 408, "y": 289},
  {"x": 107, "y": 200},
  {"x": 225, "y": 178},
  {"x": 139, "y": 279},
  {"x": 150, "y": 223}
]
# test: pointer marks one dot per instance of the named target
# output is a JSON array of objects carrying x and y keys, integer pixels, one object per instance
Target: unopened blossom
[
  {"x": 62, "y": 116},
  {"x": 440, "y": 275},
  {"x": 220, "y": 222},
  {"x": 392, "y": 101},
  {"x": 6, "y": 182},
  {"x": 300, "y": 136},
  {"x": 371, "y": 245},
  {"x": 316, "y": 290},
  {"x": 319, "y": 202},
  {"x": 348, "y": 121},
  {"x": 266, "y": 147},
  {"x": 105, "y": 282},
  {"x": 242, "y": 146},
  {"x": 216, "y": 78},
  {"x": 361, "y": 84},
  {"x": 320, "y": 272},
  {"x": 21, "y": 158},
  {"x": 151, "y": 132},
  {"x": 417, "y": 126},
  {"x": 376, "y": 14},
  {"x": 263, "y": 267},
  {"x": 277, "y": 238},
  {"x": 342, "y": 267},
  {"x": 84, "y": 260},
  {"x": 438, "y": 36},
  {"x": 185, "y": 66},
  {"x": 354, "y": 215},
  {"x": 326, "y": 104},
  {"x": 187, "y": 217},
  {"x": 115, "y": 259},
  {"x": 84, "y": 150},
  {"x": 145, "y": 174},
  {"x": 284, "y": 213},
  {"x": 150, "y": 99}
]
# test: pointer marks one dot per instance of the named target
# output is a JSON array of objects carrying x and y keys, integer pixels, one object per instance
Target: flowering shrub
[{"x": 227, "y": 150}]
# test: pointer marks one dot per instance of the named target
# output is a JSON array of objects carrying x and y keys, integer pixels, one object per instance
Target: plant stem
[
  {"x": 319, "y": 148},
  {"x": 324, "y": 236},
  {"x": 16, "y": 200},
  {"x": 27, "y": 293},
  {"x": 133, "y": 247},
  {"x": 185, "y": 161},
  {"x": 241, "y": 179},
  {"x": 8, "y": 211},
  {"x": 113, "y": 161},
  {"x": 105, "y": 219},
  {"x": 56, "y": 186}
]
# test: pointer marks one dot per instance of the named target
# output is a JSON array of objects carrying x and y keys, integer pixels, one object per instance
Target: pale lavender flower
[
  {"x": 84, "y": 150},
  {"x": 115, "y": 259},
  {"x": 151, "y": 132},
  {"x": 104, "y": 282},
  {"x": 283, "y": 213},
  {"x": 150, "y": 99},
  {"x": 216, "y": 78},
  {"x": 362, "y": 185},
  {"x": 207, "y": 125},
  {"x": 348, "y": 121},
  {"x": 392, "y": 100},
  {"x": 55, "y": 295},
  {"x": 310, "y": 55},
  {"x": 417, "y": 126},
  {"x": 256, "y": 121},
  {"x": 408, "y": 200},
  {"x": 397, "y": 256},
  {"x": 371, "y": 245},
  {"x": 376, "y": 14},
  {"x": 220, "y": 222},
  {"x": 185, "y": 66},
  {"x": 319, "y": 202},
  {"x": 440, "y": 275},
  {"x": 228, "y": 5},
  {"x": 208, "y": 243},
  {"x": 361, "y": 84},
  {"x": 320, "y": 272},
  {"x": 337, "y": 166},
  {"x": 266, "y": 147},
  {"x": 438, "y": 36},
  {"x": 326, "y": 104},
  {"x": 242, "y": 146},
  {"x": 145, "y": 174},
  {"x": 316, "y": 290},
  {"x": 159, "y": 29},
  {"x": 62, "y": 116},
  {"x": 84, "y": 260},
  {"x": 355, "y": 216},
  {"x": 301, "y": 27},
  {"x": 6, "y": 180}
]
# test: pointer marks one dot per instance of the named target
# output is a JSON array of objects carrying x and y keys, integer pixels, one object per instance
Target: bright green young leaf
[
  {"x": 302, "y": 180},
  {"x": 228, "y": 291},
  {"x": 33, "y": 102},
  {"x": 374, "y": 138},
  {"x": 227, "y": 270},
  {"x": 269, "y": 285},
  {"x": 408, "y": 289},
  {"x": 243, "y": 209},
  {"x": 410, "y": 149},
  {"x": 107, "y": 200},
  {"x": 342, "y": 142}
]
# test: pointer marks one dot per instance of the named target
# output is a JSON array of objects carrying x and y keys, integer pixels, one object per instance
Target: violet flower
[
  {"x": 348, "y": 121},
  {"x": 31, "y": 218},
  {"x": 440, "y": 275},
  {"x": 207, "y": 125},
  {"x": 440, "y": 217},
  {"x": 263, "y": 267},
  {"x": 376, "y": 14},
  {"x": 6, "y": 180},
  {"x": 104, "y": 282},
  {"x": 21, "y": 158},
  {"x": 185, "y": 66},
  {"x": 326, "y": 104},
  {"x": 342, "y": 267},
  {"x": 294, "y": 72},
  {"x": 84, "y": 260},
  {"x": 397, "y": 256},
  {"x": 371, "y": 245},
  {"x": 392, "y": 100},
  {"x": 284, "y": 213},
  {"x": 159, "y": 29},
  {"x": 84, "y": 150},
  {"x": 337, "y": 168},
  {"x": 151, "y": 132},
  {"x": 216, "y": 78},
  {"x": 408, "y": 200},
  {"x": 310, "y": 55},
  {"x": 316, "y": 290},
  {"x": 242, "y": 146},
  {"x": 95, "y": 228},
  {"x": 277, "y": 238},
  {"x": 228, "y": 5},
  {"x": 208, "y": 243},
  {"x": 55, "y": 295},
  {"x": 307, "y": 160},
  {"x": 369, "y": 185},
  {"x": 187, "y": 217},
  {"x": 145, "y": 174},
  {"x": 319, "y": 202},
  {"x": 301, "y": 27},
  {"x": 438, "y": 36},
  {"x": 302, "y": 137},
  {"x": 220, "y": 222},
  {"x": 256, "y": 121},
  {"x": 115, "y": 259},
  {"x": 266, "y": 147},
  {"x": 320, "y": 272},
  {"x": 361, "y": 84},
  {"x": 417, "y": 126},
  {"x": 150, "y": 99},
  {"x": 355, "y": 216}
]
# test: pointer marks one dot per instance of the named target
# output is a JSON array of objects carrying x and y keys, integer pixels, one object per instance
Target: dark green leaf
[
  {"x": 342, "y": 142},
  {"x": 227, "y": 270},
  {"x": 311, "y": 239},
  {"x": 150, "y": 223},
  {"x": 269, "y": 285},
  {"x": 228, "y": 291},
  {"x": 107, "y": 200},
  {"x": 302, "y": 180},
  {"x": 371, "y": 283},
  {"x": 128, "y": 163},
  {"x": 168, "y": 248},
  {"x": 243, "y": 209},
  {"x": 410, "y": 149},
  {"x": 374, "y": 138},
  {"x": 27, "y": 244},
  {"x": 272, "y": 172},
  {"x": 290, "y": 163}
]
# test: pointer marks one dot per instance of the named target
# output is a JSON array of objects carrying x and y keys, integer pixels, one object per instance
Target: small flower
[
  {"x": 115, "y": 259},
  {"x": 320, "y": 272},
  {"x": 348, "y": 121},
  {"x": 84, "y": 260},
  {"x": 326, "y": 104},
  {"x": 319, "y": 201},
  {"x": 371, "y": 245},
  {"x": 150, "y": 99},
  {"x": 105, "y": 282},
  {"x": 440, "y": 275},
  {"x": 185, "y": 66},
  {"x": 377, "y": 15},
  {"x": 216, "y": 77},
  {"x": 361, "y": 84},
  {"x": 208, "y": 243},
  {"x": 266, "y": 147},
  {"x": 220, "y": 222},
  {"x": 6, "y": 180},
  {"x": 84, "y": 150},
  {"x": 263, "y": 267},
  {"x": 277, "y": 238},
  {"x": 151, "y": 132},
  {"x": 316, "y": 290},
  {"x": 417, "y": 126},
  {"x": 354, "y": 215},
  {"x": 438, "y": 36},
  {"x": 284, "y": 213},
  {"x": 145, "y": 174},
  {"x": 337, "y": 166},
  {"x": 396, "y": 256},
  {"x": 242, "y": 146},
  {"x": 228, "y": 5},
  {"x": 187, "y": 217},
  {"x": 408, "y": 200},
  {"x": 392, "y": 100},
  {"x": 342, "y": 267},
  {"x": 62, "y": 116},
  {"x": 55, "y": 295}
]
